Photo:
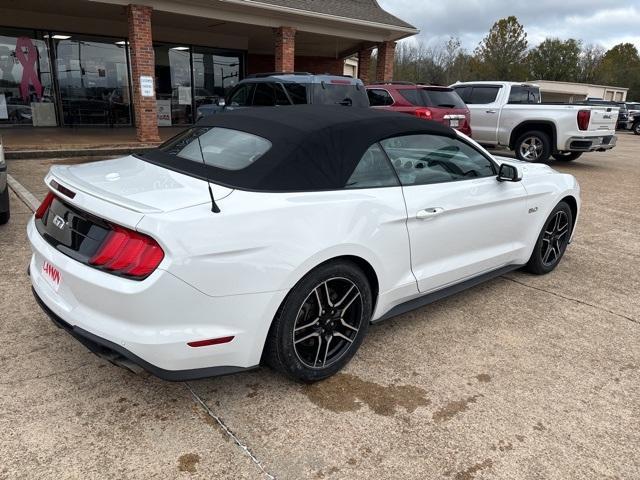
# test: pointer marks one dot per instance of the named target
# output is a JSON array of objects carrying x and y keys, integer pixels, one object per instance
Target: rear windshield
[
  {"x": 219, "y": 147},
  {"x": 424, "y": 97},
  {"x": 327, "y": 93}
]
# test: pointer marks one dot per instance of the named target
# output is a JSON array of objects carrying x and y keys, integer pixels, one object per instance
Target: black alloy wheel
[
  {"x": 552, "y": 241},
  {"x": 321, "y": 323}
]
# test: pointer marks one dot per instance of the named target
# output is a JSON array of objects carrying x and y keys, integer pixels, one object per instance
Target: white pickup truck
[{"x": 511, "y": 115}]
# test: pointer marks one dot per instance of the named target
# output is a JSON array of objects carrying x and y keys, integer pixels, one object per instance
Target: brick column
[
  {"x": 364, "y": 65},
  {"x": 142, "y": 63},
  {"x": 285, "y": 49},
  {"x": 386, "y": 57}
]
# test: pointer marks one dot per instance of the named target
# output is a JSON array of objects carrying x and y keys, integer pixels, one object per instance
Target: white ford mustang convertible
[{"x": 278, "y": 235}]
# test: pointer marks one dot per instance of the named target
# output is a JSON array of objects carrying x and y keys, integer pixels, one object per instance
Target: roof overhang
[{"x": 254, "y": 12}]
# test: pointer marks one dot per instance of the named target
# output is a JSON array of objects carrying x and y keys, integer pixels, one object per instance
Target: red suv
[{"x": 441, "y": 104}]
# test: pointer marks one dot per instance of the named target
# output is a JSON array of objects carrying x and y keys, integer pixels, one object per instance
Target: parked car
[
  {"x": 298, "y": 88},
  {"x": 623, "y": 112},
  {"x": 327, "y": 219},
  {"x": 635, "y": 123},
  {"x": 510, "y": 115},
  {"x": 5, "y": 212},
  {"x": 430, "y": 102}
]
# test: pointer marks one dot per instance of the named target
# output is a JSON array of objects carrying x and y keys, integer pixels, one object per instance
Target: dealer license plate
[{"x": 51, "y": 275}]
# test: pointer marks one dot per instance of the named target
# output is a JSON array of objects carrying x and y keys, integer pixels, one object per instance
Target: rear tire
[
  {"x": 636, "y": 128},
  {"x": 321, "y": 323},
  {"x": 534, "y": 146},
  {"x": 552, "y": 241},
  {"x": 567, "y": 156}
]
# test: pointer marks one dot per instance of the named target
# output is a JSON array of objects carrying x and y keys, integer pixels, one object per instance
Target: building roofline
[
  {"x": 558, "y": 82},
  {"x": 407, "y": 31}
]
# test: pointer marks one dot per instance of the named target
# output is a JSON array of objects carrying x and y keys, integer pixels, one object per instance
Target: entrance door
[{"x": 462, "y": 222}]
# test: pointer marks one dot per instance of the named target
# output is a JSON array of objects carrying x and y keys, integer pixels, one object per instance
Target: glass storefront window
[
  {"x": 173, "y": 84},
  {"x": 26, "y": 96},
  {"x": 93, "y": 80},
  {"x": 215, "y": 73}
]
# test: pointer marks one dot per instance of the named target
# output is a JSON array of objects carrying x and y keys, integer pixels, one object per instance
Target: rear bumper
[
  {"x": 150, "y": 322},
  {"x": 590, "y": 144},
  {"x": 120, "y": 356}
]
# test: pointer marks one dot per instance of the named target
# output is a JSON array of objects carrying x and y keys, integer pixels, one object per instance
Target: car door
[
  {"x": 482, "y": 101},
  {"x": 461, "y": 221}
]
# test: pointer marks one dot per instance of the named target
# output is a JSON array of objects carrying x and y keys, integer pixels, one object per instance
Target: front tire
[
  {"x": 534, "y": 146},
  {"x": 552, "y": 241},
  {"x": 321, "y": 323},
  {"x": 636, "y": 128},
  {"x": 567, "y": 156}
]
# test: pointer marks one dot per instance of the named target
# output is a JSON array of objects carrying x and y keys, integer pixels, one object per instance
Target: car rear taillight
[
  {"x": 44, "y": 206},
  {"x": 128, "y": 253},
  {"x": 423, "y": 113},
  {"x": 583, "y": 119}
]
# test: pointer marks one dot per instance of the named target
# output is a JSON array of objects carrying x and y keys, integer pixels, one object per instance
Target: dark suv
[
  {"x": 441, "y": 104},
  {"x": 297, "y": 88}
]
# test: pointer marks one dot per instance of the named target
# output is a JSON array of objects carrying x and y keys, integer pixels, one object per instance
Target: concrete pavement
[{"x": 523, "y": 377}]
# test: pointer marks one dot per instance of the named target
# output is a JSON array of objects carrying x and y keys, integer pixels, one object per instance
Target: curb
[{"x": 23, "y": 194}]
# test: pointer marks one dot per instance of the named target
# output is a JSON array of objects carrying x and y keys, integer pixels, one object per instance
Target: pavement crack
[
  {"x": 582, "y": 302},
  {"x": 247, "y": 451}
]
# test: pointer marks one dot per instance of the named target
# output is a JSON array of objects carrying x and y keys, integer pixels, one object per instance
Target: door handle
[
  {"x": 428, "y": 213},
  {"x": 491, "y": 111}
]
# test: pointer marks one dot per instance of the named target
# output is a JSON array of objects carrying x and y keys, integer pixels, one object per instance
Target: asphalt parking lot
[{"x": 523, "y": 377}]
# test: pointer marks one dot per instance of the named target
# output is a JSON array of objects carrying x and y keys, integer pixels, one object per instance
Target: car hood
[{"x": 137, "y": 185}]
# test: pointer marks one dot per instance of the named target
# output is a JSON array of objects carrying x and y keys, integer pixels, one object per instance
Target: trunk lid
[{"x": 135, "y": 185}]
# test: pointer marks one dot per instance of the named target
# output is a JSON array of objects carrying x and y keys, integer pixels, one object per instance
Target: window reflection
[
  {"x": 25, "y": 79},
  {"x": 93, "y": 80},
  {"x": 173, "y": 84},
  {"x": 215, "y": 73}
]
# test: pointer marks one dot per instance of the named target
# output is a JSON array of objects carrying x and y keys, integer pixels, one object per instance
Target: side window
[
  {"x": 428, "y": 159},
  {"x": 281, "y": 95},
  {"x": 297, "y": 92},
  {"x": 373, "y": 171},
  {"x": 464, "y": 92},
  {"x": 483, "y": 95},
  {"x": 242, "y": 96},
  {"x": 524, "y": 95},
  {"x": 264, "y": 96},
  {"x": 379, "y": 97}
]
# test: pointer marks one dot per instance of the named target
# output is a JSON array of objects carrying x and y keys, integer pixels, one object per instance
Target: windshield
[
  {"x": 327, "y": 93},
  {"x": 219, "y": 147}
]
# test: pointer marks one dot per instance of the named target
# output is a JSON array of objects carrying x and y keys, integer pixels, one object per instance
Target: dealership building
[{"x": 153, "y": 63}]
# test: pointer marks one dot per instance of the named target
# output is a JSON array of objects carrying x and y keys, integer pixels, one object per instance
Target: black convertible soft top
[{"x": 313, "y": 147}]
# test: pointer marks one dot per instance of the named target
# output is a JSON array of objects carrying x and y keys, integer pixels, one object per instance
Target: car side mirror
[
  {"x": 509, "y": 173},
  {"x": 221, "y": 102}
]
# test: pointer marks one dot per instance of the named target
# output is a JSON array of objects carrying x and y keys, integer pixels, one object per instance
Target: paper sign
[
  {"x": 4, "y": 114},
  {"x": 164, "y": 113},
  {"x": 184, "y": 95},
  {"x": 146, "y": 86}
]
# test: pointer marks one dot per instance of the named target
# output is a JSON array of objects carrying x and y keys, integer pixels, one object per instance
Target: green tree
[
  {"x": 555, "y": 59},
  {"x": 620, "y": 67},
  {"x": 501, "y": 54}
]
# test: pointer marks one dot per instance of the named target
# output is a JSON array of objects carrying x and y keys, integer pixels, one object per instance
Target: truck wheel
[
  {"x": 636, "y": 128},
  {"x": 566, "y": 156},
  {"x": 534, "y": 146}
]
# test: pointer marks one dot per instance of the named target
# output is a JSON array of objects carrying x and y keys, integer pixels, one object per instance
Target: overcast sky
[{"x": 589, "y": 20}]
